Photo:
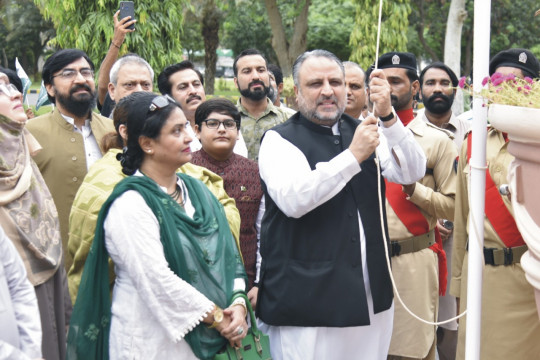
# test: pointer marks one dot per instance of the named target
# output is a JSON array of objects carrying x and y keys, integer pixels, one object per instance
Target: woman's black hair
[{"x": 134, "y": 110}]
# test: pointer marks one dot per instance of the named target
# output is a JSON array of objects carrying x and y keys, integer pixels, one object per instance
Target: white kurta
[
  {"x": 296, "y": 189},
  {"x": 20, "y": 323},
  {"x": 152, "y": 308}
]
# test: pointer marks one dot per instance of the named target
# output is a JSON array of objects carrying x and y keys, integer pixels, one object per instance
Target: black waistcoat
[{"x": 311, "y": 274}]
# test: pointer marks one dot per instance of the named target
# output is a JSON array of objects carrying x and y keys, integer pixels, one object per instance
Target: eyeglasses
[
  {"x": 160, "y": 102},
  {"x": 8, "y": 89},
  {"x": 214, "y": 124},
  {"x": 70, "y": 74}
]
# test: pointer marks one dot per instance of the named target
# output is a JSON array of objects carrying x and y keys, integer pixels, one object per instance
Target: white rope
[{"x": 385, "y": 240}]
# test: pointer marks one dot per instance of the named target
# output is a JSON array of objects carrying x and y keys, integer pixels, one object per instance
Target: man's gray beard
[{"x": 312, "y": 115}]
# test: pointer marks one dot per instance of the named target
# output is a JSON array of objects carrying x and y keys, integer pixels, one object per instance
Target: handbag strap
[{"x": 251, "y": 314}]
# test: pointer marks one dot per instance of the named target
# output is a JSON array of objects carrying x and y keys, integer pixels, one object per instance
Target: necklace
[
  {"x": 176, "y": 193},
  {"x": 179, "y": 191}
]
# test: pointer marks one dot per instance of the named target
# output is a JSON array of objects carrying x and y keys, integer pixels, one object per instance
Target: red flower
[
  {"x": 485, "y": 81},
  {"x": 462, "y": 81}
]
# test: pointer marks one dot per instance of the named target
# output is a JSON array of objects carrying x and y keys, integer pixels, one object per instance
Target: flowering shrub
[{"x": 507, "y": 90}]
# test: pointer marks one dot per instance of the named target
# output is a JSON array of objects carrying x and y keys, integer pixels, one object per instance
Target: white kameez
[
  {"x": 152, "y": 308},
  {"x": 296, "y": 190}
]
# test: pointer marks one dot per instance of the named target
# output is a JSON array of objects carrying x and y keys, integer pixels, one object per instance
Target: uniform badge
[
  {"x": 523, "y": 58},
  {"x": 243, "y": 188},
  {"x": 395, "y": 60}
]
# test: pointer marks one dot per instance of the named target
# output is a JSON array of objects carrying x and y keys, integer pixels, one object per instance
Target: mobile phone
[{"x": 127, "y": 8}]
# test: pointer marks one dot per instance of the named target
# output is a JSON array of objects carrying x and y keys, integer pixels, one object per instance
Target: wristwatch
[
  {"x": 218, "y": 317},
  {"x": 387, "y": 117}
]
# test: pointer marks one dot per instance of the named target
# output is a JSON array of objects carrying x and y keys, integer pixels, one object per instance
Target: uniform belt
[
  {"x": 414, "y": 244},
  {"x": 506, "y": 256}
]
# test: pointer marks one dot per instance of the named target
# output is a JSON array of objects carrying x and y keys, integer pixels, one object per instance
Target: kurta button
[
  {"x": 353, "y": 239},
  {"x": 74, "y": 158},
  {"x": 74, "y": 178},
  {"x": 350, "y": 214},
  {"x": 72, "y": 139},
  {"x": 336, "y": 142}
]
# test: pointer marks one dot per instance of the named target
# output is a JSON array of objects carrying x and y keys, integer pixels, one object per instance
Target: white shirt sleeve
[
  {"x": 23, "y": 300},
  {"x": 297, "y": 189},
  {"x": 398, "y": 142}
]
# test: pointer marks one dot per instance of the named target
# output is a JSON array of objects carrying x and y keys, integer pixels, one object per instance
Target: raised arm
[{"x": 120, "y": 31}]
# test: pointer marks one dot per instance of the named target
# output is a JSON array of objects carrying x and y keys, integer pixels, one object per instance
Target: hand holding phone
[{"x": 127, "y": 8}]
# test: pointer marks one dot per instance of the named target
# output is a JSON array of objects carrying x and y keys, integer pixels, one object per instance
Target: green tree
[
  {"x": 395, "y": 22},
  {"x": 289, "y": 23},
  {"x": 210, "y": 14},
  {"x": 88, "y": 25},
  {"x": 247, "y": 27},
  {"x": 23, "y": 34},
  {"x": 190, "y": 36},
  {"x": 330, "y": 25}
]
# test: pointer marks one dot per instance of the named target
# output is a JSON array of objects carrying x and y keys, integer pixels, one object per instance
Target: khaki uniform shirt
[
  {"x": 510, "y": 328},
  {"x": 62, "y": 161},
  {"x": 254, "y": 128},
  {"x": 434, "y": 196}
]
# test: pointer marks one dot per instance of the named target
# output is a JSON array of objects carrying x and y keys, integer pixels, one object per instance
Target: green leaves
[
  {"x": 89, "y": 26},
  {"x": 394, "y": 26}
]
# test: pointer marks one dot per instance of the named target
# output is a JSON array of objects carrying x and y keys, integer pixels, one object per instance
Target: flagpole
[{"x": 478, "y": 181}]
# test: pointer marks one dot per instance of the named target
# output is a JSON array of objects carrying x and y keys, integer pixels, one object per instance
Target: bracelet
[
  {"x": 387, "y": 117},
  {"x": 112, "y": 43},
  {"x": 240, "y": 301}
]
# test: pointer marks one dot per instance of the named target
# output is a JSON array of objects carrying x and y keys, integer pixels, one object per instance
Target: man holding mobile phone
[{"x": 121, "y": 29}]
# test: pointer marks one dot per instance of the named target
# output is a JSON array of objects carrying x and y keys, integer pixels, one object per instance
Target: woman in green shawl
[{"x": 176, "y": 261}]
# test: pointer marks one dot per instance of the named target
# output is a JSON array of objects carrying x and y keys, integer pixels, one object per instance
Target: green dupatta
[{"x": 202, "y": 251}]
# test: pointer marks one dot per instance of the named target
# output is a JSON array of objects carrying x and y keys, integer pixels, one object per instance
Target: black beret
[
  {"x": 517, "y": 58},
  {"x": 403, "y": 60}
]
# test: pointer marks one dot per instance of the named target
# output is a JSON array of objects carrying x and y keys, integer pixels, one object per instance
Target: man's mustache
[
  {"x": 192, "y": 97},
  {"x": 256, "y": 82},
  {"x": 80, "y": 87},
  {"x": 434, "y": 97}
]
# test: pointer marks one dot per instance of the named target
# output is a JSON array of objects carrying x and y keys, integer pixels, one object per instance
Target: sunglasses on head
[{"x": 160, "y": 102}]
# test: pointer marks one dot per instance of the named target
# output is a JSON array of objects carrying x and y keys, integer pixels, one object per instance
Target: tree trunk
[
  {"x": 452, "y": 45},
  {"x": 286, "y": 51},
  {"x": 211, "y": 18},
  {"x": 420, "y": 31}
]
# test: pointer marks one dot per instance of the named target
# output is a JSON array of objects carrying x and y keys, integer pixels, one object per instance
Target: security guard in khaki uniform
[
  {"x": 418, "y": 260},
  {"x": 510, "y": 325}
]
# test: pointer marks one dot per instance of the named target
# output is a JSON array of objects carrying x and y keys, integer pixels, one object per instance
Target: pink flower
[
  {"x": 528, "y": 79},
  {"x": 509, "y": 77},
  {"x": 497, "y": 81},
  {"x": 519, "y": 88},
  {"x": 485, "y": 81},
  {"x": 527, "y": 87},
  {"x": 461, "y": 83},
  {"x": 496, "y": 76}
]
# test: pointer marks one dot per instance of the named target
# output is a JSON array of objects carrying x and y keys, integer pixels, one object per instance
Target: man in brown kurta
[{"x": 71, "y": 134}]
